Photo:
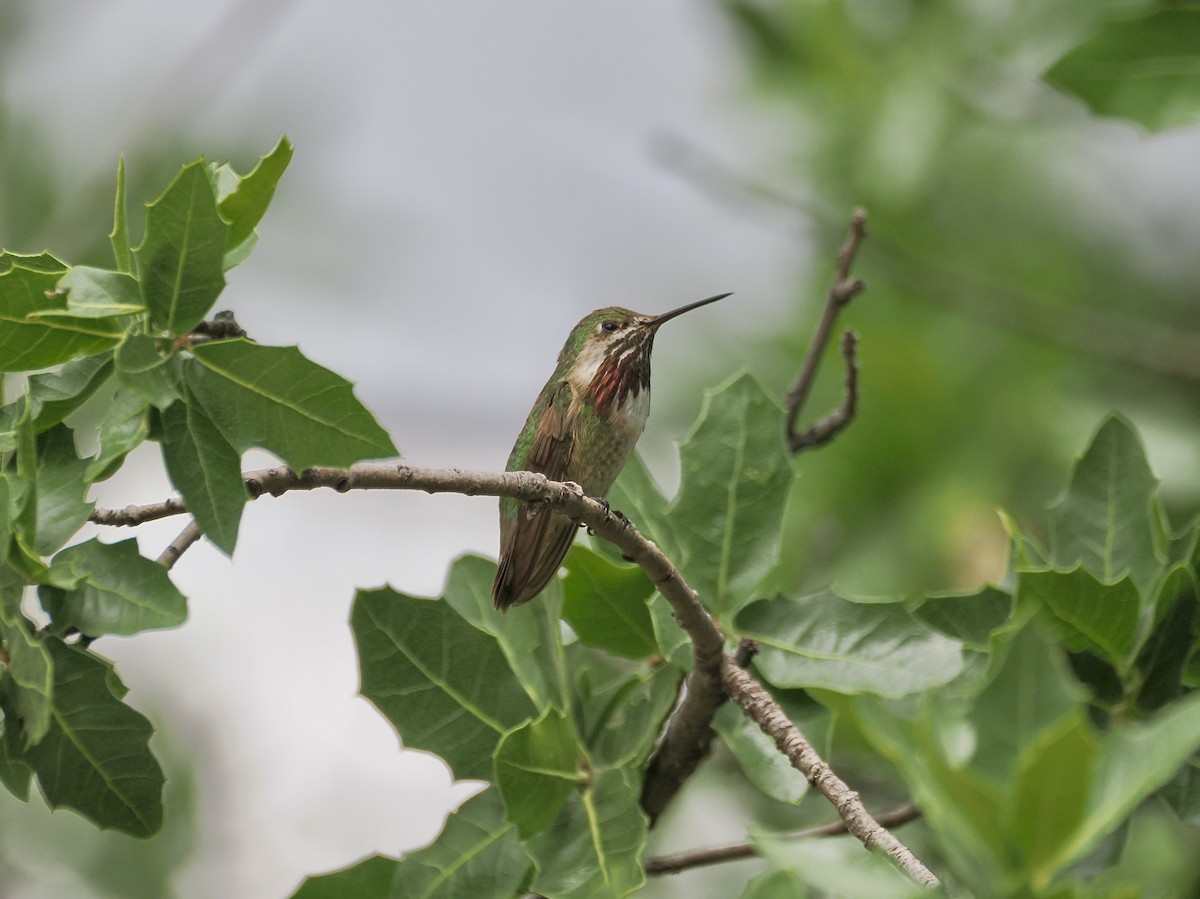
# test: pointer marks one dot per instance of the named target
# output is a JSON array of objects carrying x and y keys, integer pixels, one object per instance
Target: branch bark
[
  {"x": 762, "y": 708},
  {"x": 714, "y": 674},
  {"x": 696, "y": 858}
]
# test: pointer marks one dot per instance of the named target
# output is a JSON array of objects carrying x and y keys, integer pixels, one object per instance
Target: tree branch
[
  {"x": 683, "y": 861},
  {"x": 845, "y": 287},
  {"x": 761, "y": 708},
  {"x": 714, "y": 673}
]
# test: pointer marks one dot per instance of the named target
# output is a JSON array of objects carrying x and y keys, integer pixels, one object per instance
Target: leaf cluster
[
  {"x": 1027, "y": 720},
  {"x": 125, "y": 346}
]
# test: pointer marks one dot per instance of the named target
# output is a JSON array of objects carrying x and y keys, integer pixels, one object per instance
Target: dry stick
[
  {"x": 568, "y": 499},
  {"x": 845, "y": 287},
  {"x": 177, "y": 547},
  {"x": 696, "y": 858},
  {"x": 762, "y": 708}
]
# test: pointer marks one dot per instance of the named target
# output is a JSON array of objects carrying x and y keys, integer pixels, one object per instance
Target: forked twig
[{"x": 845, "y": 288}]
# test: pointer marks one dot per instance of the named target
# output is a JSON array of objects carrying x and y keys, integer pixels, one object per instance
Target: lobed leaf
[
  {"x": 734, "y": 479},
  {"x": 476, "y": 856},
  {"x": 119, "y": 236},
  {"x": 968, "y": 617},
  {"x": 180, "y": 260},
  {"x": 30, "y": 672},
  {"x": 1109, "y": 520},
  {"x": 605, "y": 604},
  {"x": 95, "y": 757},
  {"x": 245, "y": 204},
  {"x": 148, "y": 366},
  {"x": 593, "y": 850},
  {"x": 56, "y": 394},
  {"x": 118, "y": 591},
  {"x": 1089, "y": 614},
  {"x": 62, "y": 485},
  {"x": 274, "y": 398},
  {"x": 1032, "y": 690},
  {"x": 445, "y": 685},
  {"x": 15, "y": 773},
  {"x": 530, "y": 638},
  {"x": 206, "y": 471},
  {"x": 847, "y": 646},
  {"x": 620, "y": 712},
  {"x": 28, "y": 343},
  {"x": 538, "y": 764},
  {"x": 123, "y": 429},
  {"x": 99, "y": 293},
  {"x": 1146, "y": 69}
]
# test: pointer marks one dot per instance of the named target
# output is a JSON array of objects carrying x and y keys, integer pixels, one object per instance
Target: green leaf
[
  {"x": 6, "y": 516},
  {"x": 1145, "y": 69},
  {"x": 969, "y": 617},
  {"x": 537, "y": 766},
  {"x": 620, "y": 712},
  {"x": 119, "y": 236},
  {"x": 274, "y": 398},
  {"x": 56, "y": 394},
  {"x": 636, "y": 495},
  {"x": 530, "y": 637},
  {"x": 61, "y": 488},
  {"x": 179, "y": 262},
  {"x": 673, "y": 642},
  {"x": 445, "y": 685},
  {"x": 96, "y": 758},
  {"x": 31, "y": 677},
  {"x": 848, "y": 646},
  {"x": 98, "y": 293},
  {"x": 124, "y": 428},
  {"x": 245, "y": 205},
  {"x": 15, "y": 774},
  {"x": 477, "y": 856},
  {"x": 1032, "y": 690},
  {"x": 1109, "y": 518},
  {"x": 1134, "y": 761},
  {"x": 1049, "y": 799},
  {"x": 778, "y": 884},
  {"x": 605, "y": 604},
  {"x": 594, "y": 847},
  {"x": 734, "y": 479},
  {"x": 29, "y": 343},
  {"x": 1162, "y": 660},
  {"x": 206, "y": 470},
  {"x": 1087, "y": 613},
  {"x": 38, "y": 262},
  {"x": 144, "y": 364},
  {"x": 119, "y": 591},
  {"x": 838, "y": 867},
  {"x": 758, "y": 757}
]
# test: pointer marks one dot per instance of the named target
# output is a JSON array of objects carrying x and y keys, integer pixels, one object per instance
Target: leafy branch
[
  {"x": 707, "y": 639},
  {"x": 1027, "y": 720}
]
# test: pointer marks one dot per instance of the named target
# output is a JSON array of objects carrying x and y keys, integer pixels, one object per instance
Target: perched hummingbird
[{"x": 582, "y": 428}]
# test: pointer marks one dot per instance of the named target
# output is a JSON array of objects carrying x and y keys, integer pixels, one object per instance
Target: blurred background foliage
[
  {"x": 1030, "y": 266},
  {"x": 1028, "y": 269}
]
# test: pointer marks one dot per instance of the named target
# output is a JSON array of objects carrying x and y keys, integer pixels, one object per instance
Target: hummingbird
[{"x": 582, "y": 428}]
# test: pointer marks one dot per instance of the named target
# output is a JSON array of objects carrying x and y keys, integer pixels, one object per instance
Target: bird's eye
[{"x": 610, "y": 326}]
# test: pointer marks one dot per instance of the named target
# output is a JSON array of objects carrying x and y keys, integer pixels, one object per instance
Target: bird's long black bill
[{"x": 667, "y": 316}]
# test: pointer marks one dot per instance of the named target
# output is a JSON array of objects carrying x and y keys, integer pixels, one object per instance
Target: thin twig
[
  {"x": 845, "y": 287},
  {"x": 177, "y": 547},
  {"x": 131, "y": 516},
  {"x": 682, "y": 861},
  {"x": 707, "y": 640},
  {"x": 764, "y": 711}
]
